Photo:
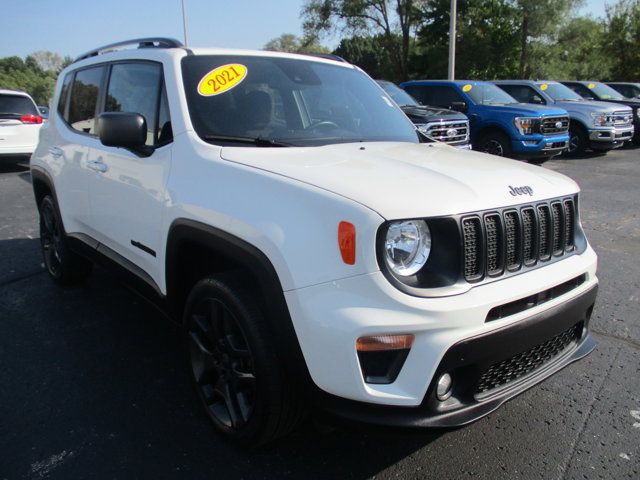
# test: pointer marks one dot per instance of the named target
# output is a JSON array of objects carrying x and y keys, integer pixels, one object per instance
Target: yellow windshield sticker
[
  {"x": 222, "y": 79},
  {"x": 544, "y": 86},
  {"x": 592, "y": 86},
  {"x": 467, "y": 87}
]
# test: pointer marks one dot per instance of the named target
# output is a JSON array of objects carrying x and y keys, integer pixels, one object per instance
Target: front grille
[
  {"x": 498, "y": 242},
  {"x": 620, "y": 119},
  {"x": 504, "y": 372},
  {"x": 549, "y": 125},
  {"x": 453, "y": 133}
]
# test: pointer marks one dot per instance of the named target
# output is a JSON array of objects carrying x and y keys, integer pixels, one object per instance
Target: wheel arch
[
  {"x": 195, "y": 250},
  {"x": 42, "y": 185}
]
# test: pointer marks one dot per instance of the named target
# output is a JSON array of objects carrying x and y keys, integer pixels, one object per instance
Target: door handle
[
  {"x": 98, "y": 166},
  {"x": 56, "y": 151}
]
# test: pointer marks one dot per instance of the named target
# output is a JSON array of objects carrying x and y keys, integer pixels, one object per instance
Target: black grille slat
[
  {"x": 494, "y": 243},
  {"x": 512, "y": 240},
  {"x": 472, "y": 238},
  {"x": 544, "y": 232},
  {"x": 522, "y": 364},
  {"x": 569, "y": 225},
  {"x": 500, "y": 242},
  {"x": 529, "y": 234},
  {"x": 548, "y": 125}
]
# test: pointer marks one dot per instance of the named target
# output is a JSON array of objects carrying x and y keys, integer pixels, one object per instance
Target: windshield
[
  {"x": 397, "y": 94},
  {"x": 16, "y": 105},
  {"x": 288, "y": 102},
  {"x": 559, "y": 92},
  {"x": 604, "y": 92},
  {"x": 488, "y": 94}
]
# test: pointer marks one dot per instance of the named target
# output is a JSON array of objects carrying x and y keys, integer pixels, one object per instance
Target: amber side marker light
[
  {"x": 347, "y": 242},
  {"x": 381, "y": 357},
  {"x": 380, "y": 343}
]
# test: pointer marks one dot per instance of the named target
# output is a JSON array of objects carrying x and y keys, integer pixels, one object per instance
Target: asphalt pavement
[{"x": 94, "y": 383}]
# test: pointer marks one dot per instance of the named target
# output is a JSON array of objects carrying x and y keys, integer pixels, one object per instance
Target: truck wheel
[
  {"x": 577, "y": 141},
  {"x": 236, "y": 371},
  {"x": 495, "y": 143},
  {"x": 64, "y": 266}
]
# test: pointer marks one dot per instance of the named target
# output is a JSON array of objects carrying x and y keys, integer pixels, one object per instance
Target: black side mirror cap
[
  {"x": 125, "y": 130},
  {"x": 459, "y": 106}
]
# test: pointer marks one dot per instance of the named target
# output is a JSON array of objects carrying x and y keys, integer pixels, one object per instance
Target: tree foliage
[
  {"x": 29, "y": 76},
  {"x": 288, "y": 42},
  {"x": 392, "y": 22},
  {"x": 622, "y": 42}
]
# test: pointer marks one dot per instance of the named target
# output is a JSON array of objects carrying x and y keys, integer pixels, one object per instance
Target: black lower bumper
[{"x": 480, "y": 365}]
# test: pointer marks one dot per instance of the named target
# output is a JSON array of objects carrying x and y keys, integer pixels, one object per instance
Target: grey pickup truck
[{"x": 594, "y": 125}]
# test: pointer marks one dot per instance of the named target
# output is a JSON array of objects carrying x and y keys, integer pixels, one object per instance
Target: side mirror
[
  {"x": 589, "y": 97},
  {"x": 459, "y": 106},
  {"x": 538, "y": 100},
  {"x": 126, "y": 130}
]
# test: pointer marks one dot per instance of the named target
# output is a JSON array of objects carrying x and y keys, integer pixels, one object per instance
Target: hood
[
  {"x": 588, "y": 106},
  {"x": 525, "y": 109},
  {"x": 406, "y": 180},
  {"x": 630, "y": 102},
  {"x": 423, "y": 114}
]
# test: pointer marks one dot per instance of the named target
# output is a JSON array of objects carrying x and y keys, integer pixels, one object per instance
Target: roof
[{"x": 14, "y": 92}]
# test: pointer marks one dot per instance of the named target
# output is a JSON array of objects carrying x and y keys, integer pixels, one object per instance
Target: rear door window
[
  {"x": 84, "y": 99},
  {"x": 64, "y": 96}
]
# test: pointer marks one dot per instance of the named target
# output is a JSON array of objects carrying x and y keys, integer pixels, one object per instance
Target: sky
[{"x": 72, "y": 27}]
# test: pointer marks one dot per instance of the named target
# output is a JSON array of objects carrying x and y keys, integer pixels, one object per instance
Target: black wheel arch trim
[{"x": 258, "y": 264}]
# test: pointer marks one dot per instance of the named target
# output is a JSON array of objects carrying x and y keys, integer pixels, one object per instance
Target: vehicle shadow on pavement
[
  {"x": 95, "y": 380},
  {"x": 13, "y": 164}
]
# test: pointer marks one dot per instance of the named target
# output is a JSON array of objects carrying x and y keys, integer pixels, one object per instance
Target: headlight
[
  {"x": 407, "y": 246},
  {"x": 600, "y": 119},
  {"x": 526, "y": 125}
]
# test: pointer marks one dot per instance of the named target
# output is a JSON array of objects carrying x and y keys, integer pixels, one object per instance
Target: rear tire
[
  {"x": 495, "y": 143},
  {"x": 63, "y": 265},
  {"x": 234, "y": 365}
]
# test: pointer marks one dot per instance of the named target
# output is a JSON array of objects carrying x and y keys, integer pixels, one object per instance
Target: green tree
[
  {"x": 486, "y": 48},
  {"x": 578, "y": 52},
  {"x": 28, "y": 76},
  {"x": 288, "y": 42},
  {"x": 393, "y": 22},
  {"x": 540, "y": 21},
  {"x": 368, "y": 54},
  {"x": 622, "y": 40}
]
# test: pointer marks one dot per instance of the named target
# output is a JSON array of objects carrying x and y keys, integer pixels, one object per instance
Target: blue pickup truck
[{"x": 499, "y": 124}]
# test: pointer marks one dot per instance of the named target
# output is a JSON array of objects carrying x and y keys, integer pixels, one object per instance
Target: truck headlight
[
  {"x": 526, "y": 125},
  {"x": 407, "y": 246},
  {"x": 600, "y": 119}
]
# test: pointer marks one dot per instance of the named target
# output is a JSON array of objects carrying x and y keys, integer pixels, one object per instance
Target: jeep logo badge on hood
[{"x": 521, "y": 190}]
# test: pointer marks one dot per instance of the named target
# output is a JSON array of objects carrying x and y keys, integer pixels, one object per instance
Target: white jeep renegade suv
[{"x": 316, "y": 248}]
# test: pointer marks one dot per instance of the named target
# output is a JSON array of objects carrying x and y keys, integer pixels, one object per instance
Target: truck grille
[
  {"x": 499, "y": 242},
  {"x": 549, "y": 125},
  {"x": 453, "y": 133},
  {"x": 620, "y": 119},
  {"x": 521, "y": 364}
]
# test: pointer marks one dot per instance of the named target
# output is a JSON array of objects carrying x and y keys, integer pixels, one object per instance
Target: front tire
[
  {"x": 495, "y": 143},
  {"x": 578, "y": 141},
  {"x": 63, "y": 265},
  {"x": 236, "y": 371}
]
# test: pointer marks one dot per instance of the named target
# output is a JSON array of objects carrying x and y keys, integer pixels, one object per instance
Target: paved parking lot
[{"x": 93, "y": 383}]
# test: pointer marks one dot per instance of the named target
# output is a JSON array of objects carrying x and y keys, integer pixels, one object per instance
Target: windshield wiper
[{"x": 258, "y": 141}]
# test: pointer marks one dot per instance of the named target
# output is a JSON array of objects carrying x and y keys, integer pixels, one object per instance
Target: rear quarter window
[{"x": 84, "y": 99}]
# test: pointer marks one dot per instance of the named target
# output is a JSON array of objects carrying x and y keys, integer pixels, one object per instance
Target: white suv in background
[
  {"x": 20, "y": 123},
  {"x": 316, "y": 248}
]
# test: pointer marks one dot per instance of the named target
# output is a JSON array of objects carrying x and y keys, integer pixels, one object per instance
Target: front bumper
[
  {"x": 537, "y": 146},
  {"x": 467, "y": 360},
  {"x": 608, "y": 138},
  {"x": 329, "y": 318}
]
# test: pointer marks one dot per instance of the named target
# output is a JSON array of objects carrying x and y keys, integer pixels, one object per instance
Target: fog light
[{"x": 443, "y": 389}]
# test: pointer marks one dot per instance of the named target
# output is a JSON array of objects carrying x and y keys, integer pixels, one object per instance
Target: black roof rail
[
  {"x": 328, "y": 56},
  {"x": 151, "y": 42}
]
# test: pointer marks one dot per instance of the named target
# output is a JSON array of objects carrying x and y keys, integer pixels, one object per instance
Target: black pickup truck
[{"x": 446, "y": 126}]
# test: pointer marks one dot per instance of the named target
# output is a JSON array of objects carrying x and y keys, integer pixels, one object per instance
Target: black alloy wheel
[
  {"x": 496, "y": 143},
  {"x": 222, "y": 364}
]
